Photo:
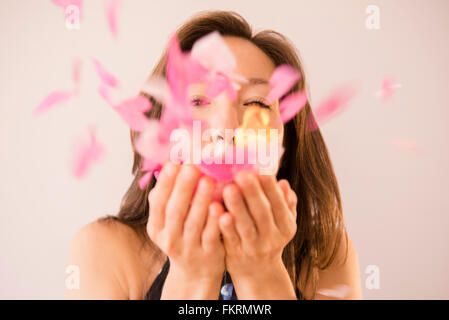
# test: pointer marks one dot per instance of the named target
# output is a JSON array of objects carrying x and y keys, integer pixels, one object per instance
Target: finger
[
  {"x": 289, "y": 195},
  {"x": 256, "y": 201},
  {"x": 180, "y": 198},
  {"x": 283, "y": 183},
  {"x": 196, "y": 218},
  {"x": 281, "y": 211},
  {"x": 159, "y": 195},
  {"x": 235, "y": 204},
  {"x": 211, "y": 234},
  {"x": 230, "y": 237}
]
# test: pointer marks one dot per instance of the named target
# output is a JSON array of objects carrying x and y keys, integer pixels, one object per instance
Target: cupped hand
[
  {"x": 260, "y": 221},
  {"x": 184, "y": 223}
]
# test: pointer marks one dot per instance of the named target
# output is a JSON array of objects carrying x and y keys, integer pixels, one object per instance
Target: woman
[{"x": 272, "y": 237}]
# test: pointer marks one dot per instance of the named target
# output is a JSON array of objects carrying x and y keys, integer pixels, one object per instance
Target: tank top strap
[{"x": 227, "y": 291}]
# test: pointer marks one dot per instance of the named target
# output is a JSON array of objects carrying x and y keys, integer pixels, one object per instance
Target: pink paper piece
[
  {"x": 219, "y": 83},
  {"x": 388, "y": 88},
  {"x": 52, "y": 99},
  {"x": 150, "y": 167},
  {"x": 133, "y": 112},
  {"x": 157, "y": 87},
  {"x": 283, "y": 79},
  {"x": 65, "y": 3},
  {"x": 182, "y": 70},
  {"x": 224, "y": 172},
  {"x": 111, "y": 10},
  {"x": 76, "y": 74},
  {"x": 103, "y": 91},
  {"x": 340, "y": 291},
  {"x": 213, "y": 53},
  {"x": 86, "y": 153},
  {"x": 150, "y": 146},
  {"x": 291, "y": 105},
  {"x": 332, "y": 106},
  {"x": 105, "y": 77}
]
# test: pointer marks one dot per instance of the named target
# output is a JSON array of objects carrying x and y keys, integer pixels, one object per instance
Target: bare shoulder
[
  {"x": 112, "y": 260},
  {"x": 341, "y": 279}
]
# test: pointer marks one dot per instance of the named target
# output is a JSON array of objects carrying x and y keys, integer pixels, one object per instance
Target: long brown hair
[{"x": 305, "y": 162}]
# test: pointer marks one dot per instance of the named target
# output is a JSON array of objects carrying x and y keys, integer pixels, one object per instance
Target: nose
[
  {"x": 219, "y": 137},
  {"x": 224, "y": 122}
]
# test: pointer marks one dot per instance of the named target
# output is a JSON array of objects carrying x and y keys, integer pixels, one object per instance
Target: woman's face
[{"x": 222, "y": 113}]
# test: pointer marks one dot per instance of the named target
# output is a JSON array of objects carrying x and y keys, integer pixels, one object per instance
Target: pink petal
[
  {"x": 65, "y": 3},
  {"x": 332, "y": 106},
  {"x": 291, "y": 105},
  {"x": 283, "y": 79},
  {"x": 168, "y": 122},
  {"x": 218, "y": 83},
  {"x": 105, "y": 94},
  {"x": 388, "y": 88},
  {"x": 150, "y": 146},
  {"x": 87, "y": 153},
  {"x": 182, "y": 70},
  {"x": 76, "y": 73},
  {"x": 145, "y": 180},
  {"x": 111, "y": 9},
  {"x": 224, "y": 172},
  {"x": 220, "y": 172},
  {"x": 148, "y": 165},
  {"x": 52, "y": 99},
  {"x": 107, "y": 78},
  {"x": 152, "y": 168},
  {"x": 133, "y": 112},
  {"x": 157, "y": 87},
  {"x": 213, "y": 53}
]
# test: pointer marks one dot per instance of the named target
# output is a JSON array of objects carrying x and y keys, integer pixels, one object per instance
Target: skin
[{"x": 257, "y": 218}]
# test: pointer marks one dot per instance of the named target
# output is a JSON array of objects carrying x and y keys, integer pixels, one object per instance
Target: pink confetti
[
  {"x": 388, "y": 88},
  {"x": 65, "y": 3},
  {"x": 106, "y": 78},
  {"x": 103, "y": 91},
  {"x": 150, "y": 167},
  {"x": 150, "y": 146},
  {"x": 157, "y": 87},
  {"x": 213, "y": 53},
  {"x": 54, "y": 98},
  {"x": 111, "y": 9},
  {"x": 283, "y": 78},
  {"x": 86, "y": 153},
  {"x": 219, "y": 83},
  {"x": 291, "y": 105},
  {"x": 76, "y": 74},
  {"x": 332, "y": 106},
  {"x": 133, "y": 112},
  {"x": 182, "y": 70}
]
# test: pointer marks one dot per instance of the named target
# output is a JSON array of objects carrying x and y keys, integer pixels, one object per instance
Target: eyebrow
[{"x": 256, "y": 81}]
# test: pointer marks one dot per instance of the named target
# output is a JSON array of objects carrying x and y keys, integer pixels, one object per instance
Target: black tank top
[{"x": 227, "y": 291}]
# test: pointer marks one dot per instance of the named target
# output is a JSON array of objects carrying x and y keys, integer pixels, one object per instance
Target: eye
[
  {"x": 198, "y": 101},
  {"x": 259, "y": 102}
]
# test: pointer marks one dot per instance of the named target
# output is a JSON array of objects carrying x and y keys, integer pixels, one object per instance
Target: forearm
[
  {"x": 271, "y": 284},
  {"x": 178, "y": 286}
]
